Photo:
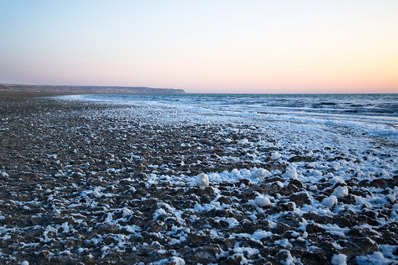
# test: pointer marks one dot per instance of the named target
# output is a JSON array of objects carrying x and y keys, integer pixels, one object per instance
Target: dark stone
[
  {"x": 282, "y": 228},
  {"x": 207, "y": 254},
  {"x": 299, "y": 158},
  {"x": 300, "y": 198}
]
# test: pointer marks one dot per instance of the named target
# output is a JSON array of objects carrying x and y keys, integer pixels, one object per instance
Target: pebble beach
[{"x": 90, "y": 182}]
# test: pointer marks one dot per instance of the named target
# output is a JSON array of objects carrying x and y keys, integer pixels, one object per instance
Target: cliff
[{"x": 47, "y": 89}]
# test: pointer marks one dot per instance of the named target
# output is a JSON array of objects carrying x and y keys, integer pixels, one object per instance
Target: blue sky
[{"x": 203, "y": 46}]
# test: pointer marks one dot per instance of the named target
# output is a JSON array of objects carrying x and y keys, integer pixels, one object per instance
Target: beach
[{"x": 95, "y": 182}]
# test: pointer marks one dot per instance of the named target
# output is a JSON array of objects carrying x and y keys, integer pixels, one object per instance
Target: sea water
[{"x": 375, "y": 113}]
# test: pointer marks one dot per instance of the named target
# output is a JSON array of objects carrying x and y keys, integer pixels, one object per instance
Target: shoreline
[{"x": 99, "y": 183}]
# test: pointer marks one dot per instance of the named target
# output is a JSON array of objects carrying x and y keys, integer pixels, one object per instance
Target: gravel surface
[{"x": 95, "y": 183}]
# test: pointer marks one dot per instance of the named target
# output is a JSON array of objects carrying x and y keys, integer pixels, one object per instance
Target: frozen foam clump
[
  {"x": 172, "y": 260},
  {"x": 339, "y": 259},
  {"x": 260, "y": 234},
  {"x": 202, "y": 180},
  {"x": 65, "y": 226},
  {"x": 262, "y": 201},
  {"x": 340, "y": 192},
  {"x": 316, "y": 173},
  {"x": 261, "y": 173},
  {"x": 177, "y": 261},
  {"x": 289, "y": 260},
  {"x": 243, "y": 141},
  {"x": 375, "y": 258},
  {"x": 291, "y": 172},
  {"x": 330, "y": 201},
  {"x": 236, "y": 173},
  {"x": 275, "y": 155},
  {"x": 391, "y": 198}
]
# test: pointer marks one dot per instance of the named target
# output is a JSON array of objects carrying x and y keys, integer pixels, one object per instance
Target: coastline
[{"x": 97, "y": 183}]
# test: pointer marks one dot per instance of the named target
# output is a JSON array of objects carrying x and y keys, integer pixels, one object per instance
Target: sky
[{"x": 207, "y": 46}]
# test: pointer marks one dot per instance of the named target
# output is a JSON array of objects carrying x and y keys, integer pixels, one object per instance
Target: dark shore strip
[{"x": 79, "y": 186}]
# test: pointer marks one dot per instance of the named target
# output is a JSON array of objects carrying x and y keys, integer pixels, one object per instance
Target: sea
[{"x": 374, "y": 113}]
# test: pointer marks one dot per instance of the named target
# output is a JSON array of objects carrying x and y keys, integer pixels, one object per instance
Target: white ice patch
[
  {"x": 340, "y": 192},
  {"x": 246, "y": 250},
  {"x": 289, "y": 259},
  {"x": 65, "y": 226},
  {"x": 159, "y": 212},
  {"x": 202, "y": 180},
  {"x": 291, "y": 172},
  {"x": 257, "y": 235},
  {"x": 330, "y": 201},
  {"x": 334, "y": 229},
  {"x": 262, "y": 201},
  {"x": 377, "y": 258},
  {"x": 232, "y": 222},
  {"x": 243, "y": 142},
  {"x": 261, "y": 173},
  {"x": 275, "y": 156}
]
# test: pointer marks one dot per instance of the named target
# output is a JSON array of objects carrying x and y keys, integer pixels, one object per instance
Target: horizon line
[{"x": 208, "y": 93}]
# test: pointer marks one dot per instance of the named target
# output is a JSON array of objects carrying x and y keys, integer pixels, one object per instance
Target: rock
[
  {"x": 195, "y": 240},
  {"x": 301, "y": 159},
  {"x": 287, "y": 206},
  {"x": 235, "y": 259},
  {"x": 365, "y": 246},
  {"x": 282, "y": 228},
  {"x": 300, "y": 198},
  {"x": 155, "y": 226},
  {"x": 296, "y": 183},
  {"x": 207, "y": 254},
  {"x": 314, "y": 228}
]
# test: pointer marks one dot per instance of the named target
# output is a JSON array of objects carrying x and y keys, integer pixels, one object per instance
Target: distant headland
[{"x": 59, "y": 89}]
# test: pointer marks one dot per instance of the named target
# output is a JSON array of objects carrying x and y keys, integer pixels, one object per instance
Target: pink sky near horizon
[{"x": 203, "y": 47}]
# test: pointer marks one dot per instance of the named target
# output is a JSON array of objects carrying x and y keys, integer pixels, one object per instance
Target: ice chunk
[
  {"x": 243, "y": 141},
  {"x": 340, "y": 192},
  {"x": 202, "y": 180},
  {"x": 316, "y": 173},
  {"x": 177, "y": 261},
  {"x": 280, "y": 184},
  {"x": 65, "y": 226},
  {"x": 236, "y": 173},
  {"x": 109, "y": 218},
  {"x": 275, "y": 155},
  {"x": 330, "y": 201},
  {"x": 4, "y": 174},
  {"x": 375, "y": 258},
  {"x": 260, "y": 234},
  {"x": 339, "y": 259},
  {"x": 289, "y": 260},
  {"x": 261, "y": 173},
  {"x": 290, "y": 172},
  {"x": 262, "y": 201}
]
